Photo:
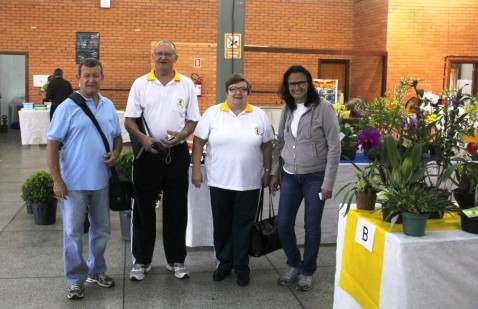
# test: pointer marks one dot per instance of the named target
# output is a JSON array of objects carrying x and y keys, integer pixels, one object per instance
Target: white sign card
[{"x": 365, "y": 234}]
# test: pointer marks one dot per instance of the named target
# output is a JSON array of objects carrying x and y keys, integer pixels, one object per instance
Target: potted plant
[
  {"x": 124, "y": 166},
  {"x": 414, "y": 203},
  {"x": 464, "y": 175},
  {"x": 364, "y": 187},
  {"x": 38, "y": 190},
  {"x": 348, "y": 142}
]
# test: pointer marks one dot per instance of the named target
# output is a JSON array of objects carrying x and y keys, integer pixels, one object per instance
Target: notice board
[{"x": 87, "y": 45}]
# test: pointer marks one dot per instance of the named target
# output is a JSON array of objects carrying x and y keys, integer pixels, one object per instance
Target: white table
[
  {"x": 34, "y": 126},
  {"x": 435, "y": 271}
]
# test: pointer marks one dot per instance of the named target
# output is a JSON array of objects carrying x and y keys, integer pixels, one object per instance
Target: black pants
[
  {"x": 151, "y": 174},
  {"x": 233, "y": 214},
  {"x": 52, "y": 109}
]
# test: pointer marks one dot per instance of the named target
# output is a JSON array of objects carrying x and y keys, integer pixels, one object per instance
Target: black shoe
[
  {"x": 220, "y": 273},
  {"x": 243, "y": 279}
]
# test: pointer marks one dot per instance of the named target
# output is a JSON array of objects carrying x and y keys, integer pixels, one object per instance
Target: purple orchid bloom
[{"x": 369, "y": 140}]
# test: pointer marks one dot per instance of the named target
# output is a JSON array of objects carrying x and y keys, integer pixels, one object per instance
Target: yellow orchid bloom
[{"x": 471, "y": 139}]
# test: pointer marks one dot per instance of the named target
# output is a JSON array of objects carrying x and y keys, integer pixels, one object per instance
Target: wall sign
[{"x": 87, "y": 45}]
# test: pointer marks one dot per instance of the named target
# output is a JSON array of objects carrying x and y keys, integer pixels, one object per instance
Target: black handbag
[
  {"x": 264, "y": 232},
  {"x": 120, "y": 187}
]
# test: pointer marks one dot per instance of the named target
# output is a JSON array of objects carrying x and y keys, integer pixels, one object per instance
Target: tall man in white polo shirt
[{"x": 167, "y": 104}]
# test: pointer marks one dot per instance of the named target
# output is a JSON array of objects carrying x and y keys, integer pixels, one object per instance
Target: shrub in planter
[
  {"x": 124, "y": 165},
  {"x": 38, "y": 190}
]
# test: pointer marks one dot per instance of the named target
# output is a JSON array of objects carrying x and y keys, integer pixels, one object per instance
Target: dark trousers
[
  {"x": 151, "y": 174},
  {"x": 52, "y": 109},
  {"x": 233, "y": 214}
]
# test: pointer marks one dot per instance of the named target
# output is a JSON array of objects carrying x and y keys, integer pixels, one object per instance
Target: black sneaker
[
  {"x": 75, "y": 291},
  {"x": 243, "y": 279},
  {"x": 220, "y": 273},
  {"x": 102, "y": 280}
]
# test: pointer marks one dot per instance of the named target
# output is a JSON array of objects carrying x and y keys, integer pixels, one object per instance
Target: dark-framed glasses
[
  {"x": 300, "y": 83},
  {"x": 241, "y": 89}
]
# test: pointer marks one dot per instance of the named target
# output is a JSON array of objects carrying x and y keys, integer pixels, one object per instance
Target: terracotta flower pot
[{"x": 365, "y": 200}]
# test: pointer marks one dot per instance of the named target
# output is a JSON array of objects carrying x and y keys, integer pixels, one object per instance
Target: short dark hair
[
  {"x": 312, "y": 94},
  {"x": 58, "y": 72},
  {"x": 236, "y": 78},
  {"x": 90, "y": 63}
]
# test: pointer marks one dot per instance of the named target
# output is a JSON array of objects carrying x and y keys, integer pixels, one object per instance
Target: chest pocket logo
[
  {"x": 180, "y": 103},
  {"x": 258, "y": 131}
]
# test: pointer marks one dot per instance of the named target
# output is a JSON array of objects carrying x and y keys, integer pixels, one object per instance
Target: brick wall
[{"x": 422, "y": 33}]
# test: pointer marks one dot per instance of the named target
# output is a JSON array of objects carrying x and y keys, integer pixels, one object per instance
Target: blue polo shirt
[{"x": 82, "y": 156}]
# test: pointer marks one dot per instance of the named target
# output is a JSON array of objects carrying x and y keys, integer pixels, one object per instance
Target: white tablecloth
[
  {"x": 34, "y": 126},
  {"x": 435, "y": 271},
  {"x": 199, "y": 232}
]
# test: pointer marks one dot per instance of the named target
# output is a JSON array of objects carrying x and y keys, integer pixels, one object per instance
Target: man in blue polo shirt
[{"x": 81, "y": 177}]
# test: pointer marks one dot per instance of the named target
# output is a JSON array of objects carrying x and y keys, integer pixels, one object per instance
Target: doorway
[
  {"x": 462, "y": 72},
  {"x": 13, "y": 84},
  {"x": 336, "y": 69}
]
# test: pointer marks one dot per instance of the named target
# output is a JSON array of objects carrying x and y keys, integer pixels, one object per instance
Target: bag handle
[
  {"x": 260, "y": 206},
  {"x": 80, "y": 101}
]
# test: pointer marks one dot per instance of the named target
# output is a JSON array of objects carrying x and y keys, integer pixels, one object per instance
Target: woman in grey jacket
[{"x": 306, "y": 156}]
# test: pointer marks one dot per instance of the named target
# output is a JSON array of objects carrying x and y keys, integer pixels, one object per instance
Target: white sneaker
[
  {"x": 138, "y": 271},
  {"x": 180, "y": 270}
]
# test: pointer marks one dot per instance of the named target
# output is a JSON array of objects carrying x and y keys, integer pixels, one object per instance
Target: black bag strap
[
  {"x": 80, "y": 100},
  {"x": 260, "y": 206}
]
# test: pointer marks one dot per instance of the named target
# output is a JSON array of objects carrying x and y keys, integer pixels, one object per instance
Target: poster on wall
[
  {"x": 87, "y": 45},
  {"x": 327, "y": 88}
]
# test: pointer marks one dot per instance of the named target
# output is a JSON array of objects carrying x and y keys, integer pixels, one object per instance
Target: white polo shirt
[
  {"x": 166, "y": 107},
  {"x": 234, "y": 158}
]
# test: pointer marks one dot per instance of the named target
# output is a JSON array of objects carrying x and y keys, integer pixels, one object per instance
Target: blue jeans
[
  {"x": 73, "y": 210},
  {"x": 294, "y": 188}
]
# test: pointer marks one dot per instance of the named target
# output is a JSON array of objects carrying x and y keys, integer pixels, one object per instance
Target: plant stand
[
  {"x": 414, "y": 224},
  {"x": 44, "y": 213}
]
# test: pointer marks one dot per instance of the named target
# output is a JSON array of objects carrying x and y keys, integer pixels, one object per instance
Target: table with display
[
  {"x": 380, "y": 267},
  {"x": 34, "y": 126}
]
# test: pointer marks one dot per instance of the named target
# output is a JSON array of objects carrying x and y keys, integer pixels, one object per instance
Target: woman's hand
[{"x": 274, "y": 184}]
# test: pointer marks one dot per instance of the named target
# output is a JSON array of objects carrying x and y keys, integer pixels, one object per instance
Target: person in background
[
  {"x": 306, "y": 156},
  {"x": 166, "y": 103},
  {"x": 238, "y": 162},
  {"x": 57, "y": 91},
  {"x": 81, "y": 177},
  {"x": 44, "y": 88}
]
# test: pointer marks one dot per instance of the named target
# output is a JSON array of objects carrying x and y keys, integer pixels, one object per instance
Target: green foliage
[
  {"x": 415, "y": 199},
  {"x": 124, "y": 163},
  {"x": 464, "y": 175},
  {"x": 349, "y": 141},
  {"x": 38, "y": 188},
  {"x": 400, "y": 167},
  {"x": 365, "y": 180}
]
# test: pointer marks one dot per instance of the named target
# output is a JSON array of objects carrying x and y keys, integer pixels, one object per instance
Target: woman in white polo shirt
[{"x": 237, "y": 163}]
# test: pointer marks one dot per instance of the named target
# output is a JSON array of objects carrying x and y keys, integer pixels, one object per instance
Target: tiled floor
[{"x": 31, "y": 268}]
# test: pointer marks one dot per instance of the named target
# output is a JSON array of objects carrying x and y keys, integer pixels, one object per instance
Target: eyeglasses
[
  {"x": 301, "y": 83},
  {"x": 241, "y": 89},
  {"x": 161, "y": 54}
]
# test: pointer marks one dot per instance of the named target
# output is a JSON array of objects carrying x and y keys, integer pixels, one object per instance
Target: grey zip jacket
[{"x": 316, "y": 147}]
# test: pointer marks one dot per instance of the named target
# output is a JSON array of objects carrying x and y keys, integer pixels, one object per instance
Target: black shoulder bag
[
  {"x": 121, "y": 188},
  {"x": 264, "y": 232}
]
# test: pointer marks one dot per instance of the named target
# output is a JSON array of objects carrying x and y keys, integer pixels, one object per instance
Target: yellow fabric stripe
[
  {"x": 361, "y": 272},
  {"x": 152, "y": 77},
  {"x": 225, "y": 107}
]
